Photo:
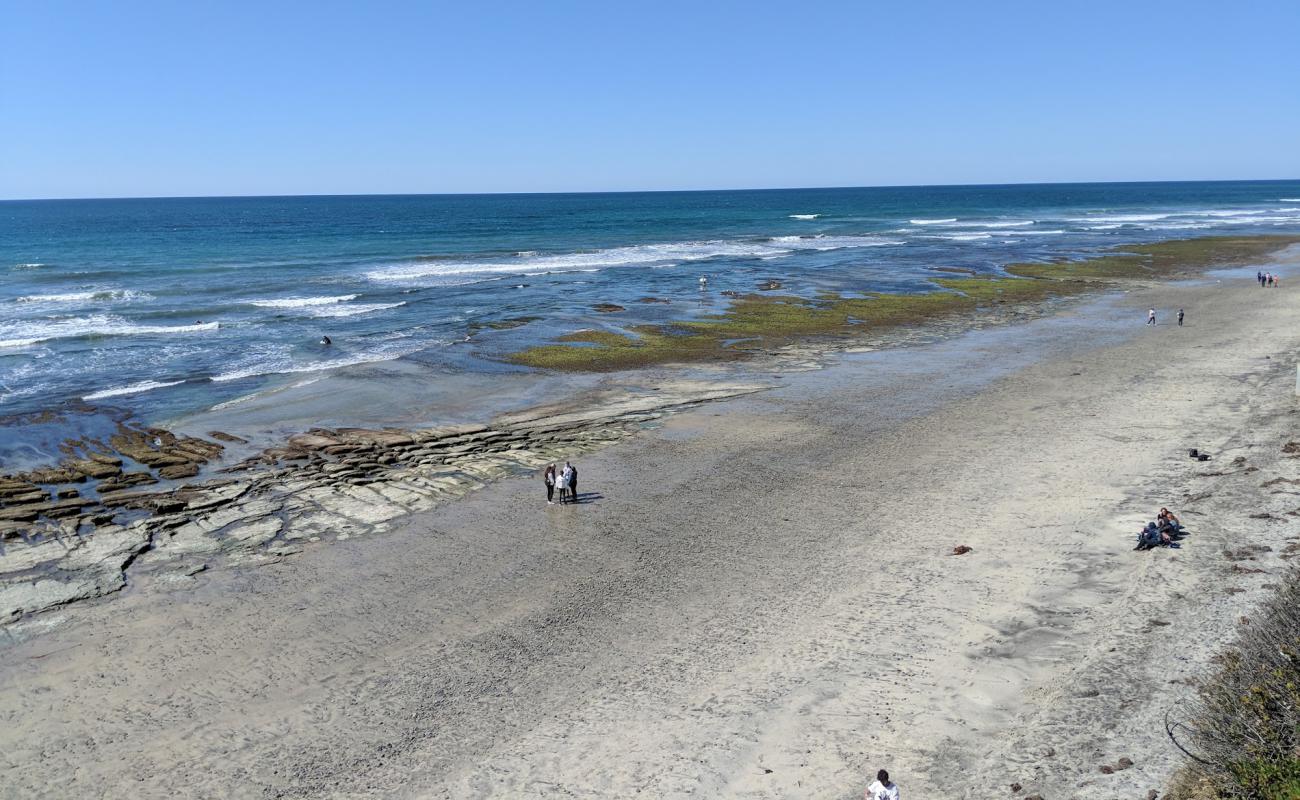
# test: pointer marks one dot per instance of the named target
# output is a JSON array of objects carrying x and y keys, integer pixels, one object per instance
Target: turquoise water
[{"x": 170, "y": 306}]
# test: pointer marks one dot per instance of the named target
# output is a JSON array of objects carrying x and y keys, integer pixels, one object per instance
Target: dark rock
[
  {"x": 1124, "y": 763},
  {"x": 55, "y": 475},
  {"x": 22, "y": 514},
  {"x": 1152, "y": 794},
  {"x": 1015, "y": 788},
  {"x": 92, "y": 469},
  {"x": 226, "y": 437},
  {"x": 104, "y": 458},
  {"x": 38, "y": 496},
  {"x": 178, "y": 471},
  {"x": 607, "y": 308},
  {"x": 770, "y": 285},
  {"x": 1291, "y": 448},
  {"x": 1106, "y": 769},
  {"x": 65, "y": 494},
  {"x": 961, "y": 550},
  {"x": 1193, "y": 453},
  {"x": 651, "y": 300}
]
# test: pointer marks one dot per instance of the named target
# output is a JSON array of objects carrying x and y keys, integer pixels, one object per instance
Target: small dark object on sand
[
  {"x": 1152, "y": 794},
  {"x": 1015, "y": 788},
  {"x": 1124, "y": 763},
  {"x": 1193, "y": 453},
  {"x": 1203, "y": 457},
  {"x": 1106, "y": 769},
  {"x": 961, "y": 550}
]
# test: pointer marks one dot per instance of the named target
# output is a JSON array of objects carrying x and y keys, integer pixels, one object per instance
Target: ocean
[{"x": 160, "y": 308}]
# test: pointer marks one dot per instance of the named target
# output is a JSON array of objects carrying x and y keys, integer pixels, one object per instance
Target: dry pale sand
[{"x": 757, "y": 599}]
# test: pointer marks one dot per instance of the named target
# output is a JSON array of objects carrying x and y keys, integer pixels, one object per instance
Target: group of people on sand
[
  {"x": 1164, "y": 532},
  {"x": 1267, "y": 279},
  {"x": 565, "y": 480}
]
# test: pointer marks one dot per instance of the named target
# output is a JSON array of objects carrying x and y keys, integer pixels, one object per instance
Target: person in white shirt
[
  {"x": 882, "y": 788},
  {"x": 1151, "y": 316}
]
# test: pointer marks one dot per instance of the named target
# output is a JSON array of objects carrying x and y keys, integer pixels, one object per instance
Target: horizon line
[{"x": 637, "y": 191}]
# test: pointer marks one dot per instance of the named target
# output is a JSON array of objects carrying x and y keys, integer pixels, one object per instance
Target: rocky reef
[{"x": 73, "y": 531}]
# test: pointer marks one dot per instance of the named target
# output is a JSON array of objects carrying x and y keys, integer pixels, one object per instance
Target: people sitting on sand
[
  {"x": 1164, "y": 532},
  {"x": 882, "y": 788},
  {"x": 549, "y": 477},
  {"x": 1166, "y": 519}
]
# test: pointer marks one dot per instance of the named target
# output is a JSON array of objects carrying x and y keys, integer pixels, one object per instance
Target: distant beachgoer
[
  {"x": 882, "y": 788},
  {"x": 1151, "y": 316},
  {"x": 327, "y": 341},
  {"x": 1180, "y": 318},
  {"x": 1277, "y": 281},
  {"x": 573, "y": 481},
  {"x": 566, "y": 482},
  {"x": 1268, "y": 278},
  {"x": 549, "y": 477},
  {"x": 1259, "y": 277},
  {"x": 704, "y": 283}
]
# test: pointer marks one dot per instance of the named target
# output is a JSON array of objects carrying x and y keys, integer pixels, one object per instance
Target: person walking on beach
[
  {"x": 1151, "y": 316},
  {"x": 1180, "y": 318},
  {"x": 882, "y": 788},
  {"x": 572, "y": 472},
  {"x": 549, "y": 477}
]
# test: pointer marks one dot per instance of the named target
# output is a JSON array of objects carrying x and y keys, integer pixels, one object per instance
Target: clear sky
[{"x": 131, "y": 98}]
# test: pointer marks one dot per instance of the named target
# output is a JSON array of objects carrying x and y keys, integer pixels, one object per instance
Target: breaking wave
[
  {"x": 300, "y": 302},
  {"x": 135, "y": 388}
]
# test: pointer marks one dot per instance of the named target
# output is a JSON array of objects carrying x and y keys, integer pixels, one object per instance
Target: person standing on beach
[
  {"x": 1180, "y": 318},
  {"x": 1259, "y": 277},
  {"x": 1151, "y": 316},
  {"x": 549, "y": 477},
  {"x": 566, "y": 477},
  {"x": 882, "y": 788},
  {"x": 573, "y": 480}
]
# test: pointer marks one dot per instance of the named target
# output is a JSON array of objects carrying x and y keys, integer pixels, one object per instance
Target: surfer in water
[{"x": 326, "y": 341}]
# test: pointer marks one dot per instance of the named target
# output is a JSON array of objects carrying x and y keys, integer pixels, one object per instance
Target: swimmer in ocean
[{"x": 325, "y": 340}]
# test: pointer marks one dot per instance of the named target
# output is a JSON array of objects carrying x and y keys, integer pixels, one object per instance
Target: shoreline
[
  {"x": 68, "y": 532},
  {"x": 761, "y": 602}
]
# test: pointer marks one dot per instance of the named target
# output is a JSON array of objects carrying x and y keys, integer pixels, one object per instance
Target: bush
[{"x": 1243, "y": 730}]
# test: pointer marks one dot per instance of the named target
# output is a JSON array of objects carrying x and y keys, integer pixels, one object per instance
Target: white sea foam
[
  {"x": 1030, "y": 233},
  {"x": 804, "y": 216},
  {"x": 825, "y": 242},
  {"x": 89, "y": 296},
  {"x": 284, "y": 366},
  {"x": 1122, "y": 219},
  {"x": 26, "y": 333},
  {"x": 350, "y": 310},
  {"x": 1019, "y": 223},
  {"x": 963, "y": 237},
  {"x": 301, "y": 302},
  {"x": 135, "y": 388},
  {"x": 630, "y": 256},
  {"x": 933, "y": 221},
  {"x": 1288, "y": 199},
  {"x": 32, "y": 265}
]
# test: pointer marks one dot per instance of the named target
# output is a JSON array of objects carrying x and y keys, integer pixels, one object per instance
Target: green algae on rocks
[
  {"x": 760, "y": 322},
  {"x": 1173, "y": 258}
]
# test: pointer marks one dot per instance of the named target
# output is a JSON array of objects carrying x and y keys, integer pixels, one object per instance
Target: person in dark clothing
[
  {"x": 1180, "y": 318},
  {"x": 1259, "y": 276},
  {"x": 573, "y": 481},
  {"x": 549, "y": 477}
]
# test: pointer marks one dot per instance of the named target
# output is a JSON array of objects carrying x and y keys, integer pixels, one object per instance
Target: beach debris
[{"x": 961, "y": 550}]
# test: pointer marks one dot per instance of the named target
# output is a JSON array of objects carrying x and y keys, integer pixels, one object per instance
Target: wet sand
[{"x": 756, "y": 599}]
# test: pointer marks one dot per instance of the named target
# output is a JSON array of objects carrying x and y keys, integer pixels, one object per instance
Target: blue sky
[{"x": 202, "y": 98}]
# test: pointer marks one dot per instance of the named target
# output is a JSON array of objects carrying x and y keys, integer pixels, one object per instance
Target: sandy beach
[{"x": 758, "y": 597}]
